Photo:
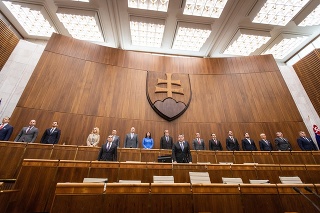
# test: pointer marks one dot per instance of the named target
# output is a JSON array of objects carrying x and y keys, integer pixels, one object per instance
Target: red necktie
[
  {"x": 199, "y": 141},
  {"x": 1, "y": 126}
]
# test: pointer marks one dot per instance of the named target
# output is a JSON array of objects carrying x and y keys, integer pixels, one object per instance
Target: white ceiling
[{"x": 114, "y": 16}]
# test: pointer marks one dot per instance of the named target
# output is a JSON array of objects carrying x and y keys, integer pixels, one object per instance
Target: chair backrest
[
  {"x": 199, "y": 177},
  {"x": 231, "y": 180},
  {"x": 95, "y": 180},
  {"x": 225, "y": 162},
  {"x": 203, "y": 162},
  {"x": 163, "y": 179},
  {"x": 259, "y": 181},
  {"x": 129, "y": 181},
  {"x": 290, "y": 180}
]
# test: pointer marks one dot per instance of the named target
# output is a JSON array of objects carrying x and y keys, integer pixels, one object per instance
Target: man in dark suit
[
  {"x": 198, "y": 143},
  {"x": 264, "y": 144},
  {"x": 108, "y": 151},
  {"x": 115, "y": 138},
  {"x": 28, "y": 134},
  {"x": 215, "y": 144},
  {"x": 131, "y": 139},
  {"x": 5, "y": 129},
  {"x": 166, "y": 140},
  {"x": 247, "y": 143},
  {"x": 232, "y": 143},
  {"x": 51, "y": 135},
  {"x": 181, "y": 151},
  {"x": 282, "y": 144},
  {"x": 306, "y": 144}
]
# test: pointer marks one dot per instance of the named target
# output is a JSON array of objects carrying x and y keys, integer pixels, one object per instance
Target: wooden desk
[
  {"x": 175, "y": 197},
  {"x": 222, "y": 198}
]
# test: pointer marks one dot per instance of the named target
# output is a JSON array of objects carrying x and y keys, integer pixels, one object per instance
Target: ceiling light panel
[
  {"x": 83, "y": 25},
  {"x": 312, "y": 19},
  {"x": 246, "y": 42},
  {"x": 146, "y": 32},
  {"x": 284, "y": 45},
  {"x": 205, "y": 8},
  {"x": 191, "y": 36},
  {"x": 33, "y": 18},
  {"x": 156, "y": 5},
  {"x": 279, "y": 12}
]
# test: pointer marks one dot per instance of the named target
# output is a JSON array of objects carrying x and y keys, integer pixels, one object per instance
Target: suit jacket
[
  {"x": 108, "y": 155},
  {"x": 306, "y": 144},
  {"x": 131, "y": 142},
  {"x": 29, "y": 136},
  {"x": 197, "y": 146},
  {"x": 265, "y": 146},
  {"x": 232, "y": 145},
  {"x": 282, "y": 144},
  {"x": 164, "y": 144},
  {"x": 51, "y": 138},
  {"x": 215, "y": 146},
  {"x": 246, "y": 146},
  {"x": 6, "y": 132},
  {"x": 179, "y": 155},
  {"x": 116, "y": 140}
]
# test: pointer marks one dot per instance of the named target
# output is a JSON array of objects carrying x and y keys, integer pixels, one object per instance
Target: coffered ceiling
[{"x": 233, "y": 22}]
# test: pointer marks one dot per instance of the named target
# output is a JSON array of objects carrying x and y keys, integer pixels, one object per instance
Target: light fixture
[
  {"x": 246, "y": 42},
  {"x": 157, "y": 5},
  {"x": 279, "y": 12},
  {"x": 205, "y": 8},
  {"x": 146, "y": 31},
  {"x": 191, "y": 36},
  {"x": 33, "y": 18},
  {"x": 312, "y": 19},
  {"x": 284, "y": 44},
  {"x": 81, "y": 24},
  {"x": 82, "y": 0}
]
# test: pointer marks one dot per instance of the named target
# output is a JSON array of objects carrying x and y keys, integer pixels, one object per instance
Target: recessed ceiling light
[
  {"x": 33, "y": 18},
  {"x": 279, "y": 12}
]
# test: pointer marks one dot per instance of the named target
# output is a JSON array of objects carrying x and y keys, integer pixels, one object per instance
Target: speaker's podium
[{"x": 165, "y": 159}]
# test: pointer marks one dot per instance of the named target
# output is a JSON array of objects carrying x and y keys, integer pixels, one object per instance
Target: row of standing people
[
  {"x": 30, "y": 133},
  {"x": 52, "y": 136},
  {"x": 181, "y": 149},
  {"x": 232, "y": 144}
]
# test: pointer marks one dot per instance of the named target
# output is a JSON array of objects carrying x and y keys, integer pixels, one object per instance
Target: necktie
[
  {"x": 249, "y": 140},
  {"x": 266, "y": 142},
  {"x": 51, "y": 131},
  {"x": 28, "y": 129},
  {"x": 216, "y": 142},
  {"x": 108, "y": 146},
  {"x": 1, "y": 126},
  {"x": 167, "y": 139},
  {"x": 181, "y": 145},
  {"x": 131, "y": 135},
  {"x": 199, "y": 141}
]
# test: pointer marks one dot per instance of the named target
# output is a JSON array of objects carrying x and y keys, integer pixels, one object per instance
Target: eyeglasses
[{"x": 110, "y": 137}]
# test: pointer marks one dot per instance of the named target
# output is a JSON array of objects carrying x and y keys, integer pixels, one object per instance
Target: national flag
[{"x": 316, "y": 131}]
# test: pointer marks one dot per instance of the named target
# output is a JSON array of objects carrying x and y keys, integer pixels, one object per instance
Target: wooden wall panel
[
  {"x": 8, "y": 41},
  {"x": 83, "y": 85},
  {"x": 308, "y": 69}
]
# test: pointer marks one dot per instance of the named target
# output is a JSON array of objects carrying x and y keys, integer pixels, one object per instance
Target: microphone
[
  {"x": 300, "y": 192},
  {"x": 309, "y": 190}
]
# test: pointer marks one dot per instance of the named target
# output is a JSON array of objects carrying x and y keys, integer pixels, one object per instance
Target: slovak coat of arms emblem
[{"x": 169, "y": 94}]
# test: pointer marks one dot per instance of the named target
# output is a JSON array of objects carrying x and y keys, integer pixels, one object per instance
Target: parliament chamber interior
[{"x": 84, "y": 85}]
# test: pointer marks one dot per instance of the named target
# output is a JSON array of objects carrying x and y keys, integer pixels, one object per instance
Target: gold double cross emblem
[{"x": 169, "y": 89}]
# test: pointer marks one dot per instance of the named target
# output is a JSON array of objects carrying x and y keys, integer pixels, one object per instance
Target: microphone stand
[
  {"x": 298, "y": 190},
  {"x": 309, "y": 190}
]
